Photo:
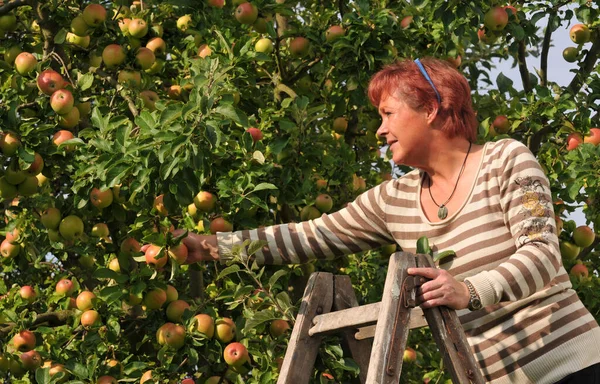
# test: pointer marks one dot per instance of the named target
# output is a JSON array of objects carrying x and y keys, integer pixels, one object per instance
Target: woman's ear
[{"x": 432, "y": 114}]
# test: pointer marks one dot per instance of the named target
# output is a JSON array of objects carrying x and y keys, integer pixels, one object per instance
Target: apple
[
  {"x": 204, "y": 51},
  {"x": 8, "y": 22},
  {"x": 157, "y": 45},
  {"x": 172, "y": 294},
  {"x": 189, "y": 380},
  {"x": 51, "y": 218},
  {"x": 101, "y": 199},
  {"x": 204, "y": 324},
  {"x": 409, "y": 356},
  {"x": 62, "y": 101},
  {"x": 324, "y": 203},
  {"x": 309, "y": 212},
  {"x": 593, "y": 137},
  {"x": 184, "y": 23},
  {"x": 146, "y": 376},
  {"x": 85, "y": 300},
  {"x": 225, "y": 330},
  {"x": 175, "y": 310},
  {"x": 583, "y": 236},
  {"x": 70, "y": 119},
  {"x": 80, "y": 41},
  {"x": 501, "y": 124},
  {"x": 278, "y": 327},
  {"x": 61, "y": 136},
  {"x": 340, "y": 125},
  {"x": 55, "y": 369},
  {"x": 160, "y": 333},
  {"x": 579, "y": 34},
  {"x": 559, "y": 225},
  {"x": 8, "y": 250},
  {"x": 264, "y": 45},
  {"x": 87, "y": 261},
  {"x": 79, "y": 26},
  {"x": 36, "y": 166},
  {"x": 71, "y": 227},
  {"x": 174, "y": 92},
  {"x": 28, "y": 187},
  {"x": 31, "y": 360},
  {"x": 9, "y": 143},
  {"x": 334, "y": 32},
  {"x": 260, "y": 25},
  {"x": 90, "y": 318},
  {"x": 50, "y": 81},
  {"x": 570, "y": 54},
  {"x": 11, "y": 53},
  {"x": 495, "y": 19},
  {"x": 124, "y": 25},
  {"x": 246, "y": 13},
  {"x": 579, "y": 270},
  {"x": 25, "y": 63},
  {"x": 155, "y": 298},
  {"x": 94, "y": 15},
  {"x": 54, "y": 236},
  {"x": 113, "y": 55},
  {"x": 106, "y": 380},
  {"x": 573, "y": 141},
  {"x": 235, "y": 354},
  {"x": 42, "y": 180},
  {"x": 138, "y": 28},
  {"x": 130, "y": 78},
  {"x": 512, "y": 9},
  {"x": 114, "y": 366},
  {"x": 13, "y": 173},
  {"x": 299, "y": 46},
  {"x": 568, "y": 250},
  {"x": 27, "y": 293},
  {"x": 220, "y": 225},
  {"x": 406, "y": 21},
  {"x": 205, "y": 201},
  {"x": 155, "y": 256},
  {"x": 179, "y": 253},
  {"x": 215, "y": 380},
  {"x": 24, "y": 341},
  {"x": 7, "y": 190},
  {"x": 455, "y": 61},
  {"x": 216, "y": 3},
  {"x": 13, "y": 236},
  {"x": 130, "y": 246},
  {"x": 64, "y": 287},
  {"x": 144, "y": 58},
  {"x": 256, "y": 134},
  {"x": 114, "y": 265}
]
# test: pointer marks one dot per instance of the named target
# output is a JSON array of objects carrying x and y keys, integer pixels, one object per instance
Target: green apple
[
  {"x": 113, "y": 55},
  {"x": 583, "y": 236},
  {"x": 94, "y": 15},
  {"x": 51, "y": 218},
  {"x": 204, "y": 324},
  {"x": 28, "y": 187},
  {"x": 71, "y": 227},
  {"x": 495, "y": 19},
  {"x": 85, "y": 300},
  {"x": 580, "y": 34},
  {"x": 79, "y": 26},
  {"x": 25, "y": 63},
  {"x": 309, "y": 212},
  {"x": 138, "y": 28},
  {"x": 264, "y": 45},
  {"x": 324, "y": 203},
  {"x": 568, "y": 250},
  {"x": 8, "y": 250},
  {"x": 175, "y": 310}
]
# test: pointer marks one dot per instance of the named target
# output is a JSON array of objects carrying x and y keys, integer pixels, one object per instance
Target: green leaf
[
  {"x": 42, "y": 375},
  {"x": 276, "y": 276},
  {"x": 443, "y": 255},
  {"x": 60, "y": 36},
  {"x": 504, "y": 83},
  {"x": 232, "y": 113},
  {"x": 145, "y": 121},
  {"x": 86, "y": 81},
  {"x": 228, "y": 271},
  {"x": 263, "y": 186},
  {"x": 423, "y": 245}
]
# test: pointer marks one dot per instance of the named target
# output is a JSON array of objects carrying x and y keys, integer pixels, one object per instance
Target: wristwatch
[{"x": 474, "y": 300}]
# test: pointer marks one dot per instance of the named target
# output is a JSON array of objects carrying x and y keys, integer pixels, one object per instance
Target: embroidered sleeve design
[{"x": 536, "y": 211}]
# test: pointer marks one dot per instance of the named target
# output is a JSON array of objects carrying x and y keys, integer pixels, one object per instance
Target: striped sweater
[{"x": 533, "y": 327}]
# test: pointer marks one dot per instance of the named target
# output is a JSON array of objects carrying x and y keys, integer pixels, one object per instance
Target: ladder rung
[{"x": 358, "y": 317}]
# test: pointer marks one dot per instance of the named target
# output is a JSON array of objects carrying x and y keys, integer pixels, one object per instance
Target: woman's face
[{"x": 405, "y": 129}]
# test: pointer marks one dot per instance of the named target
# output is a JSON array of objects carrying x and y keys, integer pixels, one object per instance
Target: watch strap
[{"x": 474, "y": 299}]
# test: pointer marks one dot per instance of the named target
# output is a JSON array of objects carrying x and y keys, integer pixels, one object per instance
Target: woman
[{"x": 491, "y": 204}]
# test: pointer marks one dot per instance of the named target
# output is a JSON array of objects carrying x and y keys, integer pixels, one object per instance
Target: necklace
[{"x": 442, "y": 210}]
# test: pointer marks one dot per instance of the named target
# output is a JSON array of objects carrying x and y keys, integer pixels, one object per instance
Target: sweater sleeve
[
  {"x": 358, "y": 227},
  {"x": 527, "y": 207}
]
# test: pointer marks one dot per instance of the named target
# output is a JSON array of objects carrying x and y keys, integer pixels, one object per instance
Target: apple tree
[{"x": 122, "y": 120}]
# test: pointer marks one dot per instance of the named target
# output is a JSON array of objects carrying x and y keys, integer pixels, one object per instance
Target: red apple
[
  {"x": 246, "y": 13},
  {"x": 205, "y": 201},
  {"x": 9, "y": 143},
  {"x": 175, "y": 310},
  {"x": 8, "y": 250},
  {"x": 583, "y": 236},
  {"x": 299, "y": 46},
  {"x": 579, "y": 270},
  {"x": 511, "y": 10},
  {"x": 24, "y": 341},
  {"x": 61, "y": 136},
  {"x": 146, "y": 376},
  {"x": 157, "y": 45},
  {"x": 94, "y": 15},
  {"x": 90, "y": 318},
  {"x": 278, "y": 327},
  {"x": 155, "y": 299},
  {"x": 64, "y": 287},
  {"x": 235, "y": 354},
  {"x": 205, "y": 324},
  {"x": 159, "y": 205},
  {"x": 580, "y": 34},
  {"x": 31, "y": 360},
  {"x": 36, "y": 166},
  {"x": 85, "y": 300},
  {"x": 334, "y": 32},
  {"x": 406, "y": 21},
  {"x": 501, "y": 124},
  {"x": 256, "y": 134},
  {"x": 113, "y": 55},
  {"x": 593, "y": 137},
  {"x": 573, "y": 141},
  {"x": 62, "y": 101},
  {"x": 179, "y": 253},
  {"x": 70, "y": 119},
  {"x": 106, "y": 380},
  {"x": 27, "y": 293},
  {"x": 204, "y": 51},
  {"x": 155, "y": 256},
  {"x": 220, "y": 225},
  {"x": 50, "y": 81},
  {"x": 101, "y": 199},
  {"x": 216, "y": 3},
  {"x": 130, "y": 246},
  {"x": 13, "y": 236},
  {"x": 144, "y": 58},
  {"x": 25, "y": 63},
  {"x": 324, "y": 203},
  {"x": 130, "y": 78},
  {"x": 409, "y": 356},
  {"x": 495, "y": 19}
]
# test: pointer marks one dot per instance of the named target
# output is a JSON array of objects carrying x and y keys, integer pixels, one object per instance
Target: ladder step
[{"x": 358, "y": 317}]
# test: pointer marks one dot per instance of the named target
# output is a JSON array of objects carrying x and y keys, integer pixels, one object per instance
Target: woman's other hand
[
  {"x": 442, "y": 289},
  {"x": 200, "y": 247}
]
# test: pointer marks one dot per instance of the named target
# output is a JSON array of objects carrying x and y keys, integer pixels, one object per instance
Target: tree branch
[
  {"x": 6, "y": 8},
  {"x": 523, "y": 67},
  {"x": 546, "y": 49},
  {"x": 588, "y": 65}
]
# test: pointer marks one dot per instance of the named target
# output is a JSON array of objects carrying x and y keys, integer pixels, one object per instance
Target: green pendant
[{"x": 442, "y": 212}]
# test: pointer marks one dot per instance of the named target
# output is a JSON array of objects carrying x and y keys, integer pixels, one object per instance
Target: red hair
[{"x": 403, "y": 79}]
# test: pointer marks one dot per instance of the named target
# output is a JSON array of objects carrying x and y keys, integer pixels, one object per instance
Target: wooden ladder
[{"x": 329, "y": 306}]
